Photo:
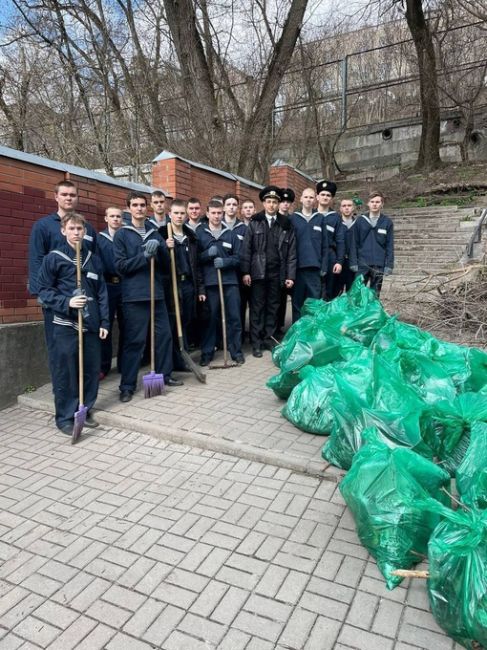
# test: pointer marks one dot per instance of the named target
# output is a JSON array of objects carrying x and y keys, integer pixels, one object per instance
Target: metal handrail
[{"x": 476, "y": 237}]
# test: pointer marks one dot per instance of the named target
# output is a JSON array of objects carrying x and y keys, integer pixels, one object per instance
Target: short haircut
[
  {"x": 218, "y": 198},
  {"x": 75, "y": 217},
  {"x": 249, "y": 201},
  {"x": 113, "y": 207},
  {"x": 375, "y": 193},
  {"x": 346, "y": 198},
  {"x": 309, "y": 189},
  {"x": 65, "y": 183},
  {"x": 178, "y": 203},
  {"x": 135, "y": 195},
  {"x": 230, "y": 196},
  {"x": 193, "y": 199},
  {"x": 157, "y": 193},
  {"x": 214, "y": 203}
]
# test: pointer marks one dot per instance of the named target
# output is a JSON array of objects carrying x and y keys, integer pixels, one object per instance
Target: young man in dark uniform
[
  {"x": 230, "y": 210},
  {"x": 312, "y": 251},
  {"x": 45, "y": 236},
  {"x": 114, "y": 221},
  {"x": 219, "y": 248},
  {"x": 267, "y": 264},
  {"x": 134, "y": 246},
  {"x": 57, "y": 288},
  {"x": 345, "y": 280},
  {"x": 189, "y": 277},
  {"x": 288, "y": 197},
  {"x": 325, "y": 191},
  {"x": 372, "y": 244}
]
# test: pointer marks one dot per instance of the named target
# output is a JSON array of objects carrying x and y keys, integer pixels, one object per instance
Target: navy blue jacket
[
  {"x": 57, "y": 282},
  {"x": 239, "y": 229},
  {"x": 311, "y": 241},
  {"x": 348, "y": 238},
  {"x": 45, "y": 236},
  {"x": 105, "y": 251},
  {"x": 186, "y": 256},
  {"x": 336, "y": 236},
  {"x": 134, "y": 267},
  {"x": 228, "y": 245},
  {"x": 371, "y": 246}
]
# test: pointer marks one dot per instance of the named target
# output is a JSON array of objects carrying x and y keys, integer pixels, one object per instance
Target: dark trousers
[
  {"x": 48, "y": 315},
  {"x": 281, "y": 314},
  {"x": 136, "y": 322},
  {"x": 307, "y": 285},
  {"x": 231, "y": 296},
  {"x": 244, "y": 303},
  {"x": 331, "y": 282},
  {"x": 345, "y": 278},
  {"x": 65, "y": 378},
  {"x": 187, "y": 310},
  {"x": 373, "y": 278},
  {"x": 265, "y": 297},
  {"x": 114, "y": 309}
]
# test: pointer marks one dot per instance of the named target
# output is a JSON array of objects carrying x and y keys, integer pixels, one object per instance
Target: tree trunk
[
  {"x": 429, "y": 147},
  {"x": 258, "y": 126}
]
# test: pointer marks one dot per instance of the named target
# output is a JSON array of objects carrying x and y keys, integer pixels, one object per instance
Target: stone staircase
[{"x": 428, "y": 241}]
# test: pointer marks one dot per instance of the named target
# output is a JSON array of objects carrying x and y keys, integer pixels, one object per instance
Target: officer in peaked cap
[
  {"x": 326, "y": 186},
  {"x": 270, "y": 192}
]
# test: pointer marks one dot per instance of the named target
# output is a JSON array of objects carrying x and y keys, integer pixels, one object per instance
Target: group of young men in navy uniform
[{"x": 259, "y": 258}]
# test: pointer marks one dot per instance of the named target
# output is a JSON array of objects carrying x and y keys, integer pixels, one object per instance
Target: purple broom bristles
[
  {"x": 79, "y": 420},
  {"x": 153, "y": 384}
]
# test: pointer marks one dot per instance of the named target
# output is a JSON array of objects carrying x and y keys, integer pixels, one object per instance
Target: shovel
[
  {"x": 82, "y": 412},
  {"x": 226, "y": 363}
]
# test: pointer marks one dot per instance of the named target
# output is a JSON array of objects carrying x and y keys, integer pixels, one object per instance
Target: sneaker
[
  {"x": 90, "y": 422},
  {"x": 170, "y": 381}
]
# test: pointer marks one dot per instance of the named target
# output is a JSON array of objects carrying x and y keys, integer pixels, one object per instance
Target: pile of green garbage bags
[{"x": 406, "y": 414}]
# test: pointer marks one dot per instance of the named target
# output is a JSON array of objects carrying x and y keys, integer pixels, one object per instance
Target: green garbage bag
[
  {"x": 297, "y": 329},
  {"x": 352, "y": 414},
  {"x": 427, "y": 378},
  {"x": 471, "y": 474},
  {"x": 283, "y": 383},
  {"x": 318, "y": 346},
  {"x": 454, "y": 360},
  {"x": 477, "y": 361},
  {"x": 453, "y": 420},
  {"x": 308, "y": 406},
  {"x": 382, "y": 490},
  {"x": 402, "y": 336},
  {"x": 457, "y": 583}
]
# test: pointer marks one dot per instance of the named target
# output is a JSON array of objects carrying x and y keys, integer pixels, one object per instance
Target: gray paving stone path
[
  {"x": 129, "y": 542},
  {"x": 232, "y": 413}
]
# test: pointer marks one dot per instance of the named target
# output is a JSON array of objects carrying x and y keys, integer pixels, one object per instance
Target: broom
[
  {"x": 200, "y": 376},
  {"x": 82, "y": 412},
  {"x": 153, "y": 383}
]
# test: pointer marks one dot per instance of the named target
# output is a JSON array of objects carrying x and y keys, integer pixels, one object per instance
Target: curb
[{"x": 200, "y": 440}]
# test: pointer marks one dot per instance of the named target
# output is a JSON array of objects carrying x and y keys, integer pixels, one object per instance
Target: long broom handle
[
  {"x": 224, "y": 320},
  {"x": 177, "y": 311},
  {"x": 152, "y": 313},
  {"x": 80, "y": 329}
]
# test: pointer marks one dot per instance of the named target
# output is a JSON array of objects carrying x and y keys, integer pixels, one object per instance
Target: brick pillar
[
  {"x": 174, "y": 175},
  {"x": 284, "y": 175}
]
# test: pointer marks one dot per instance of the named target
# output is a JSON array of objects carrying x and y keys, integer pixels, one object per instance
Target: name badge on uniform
[
  {"x": 318, "y": 228},
  {"x": 330, "y": 228},
  {"x": 382, "y": 231},
  {"x": 226, "y": 244},
  {"x": 88, "y": 238},
  {"x": 93, "y": 276},
  {"x": 240, "y": 237}
]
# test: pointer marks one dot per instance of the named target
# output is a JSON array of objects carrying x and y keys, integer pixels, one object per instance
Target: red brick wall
[
  {"x": 184, "y": 180},
  {"x": 26, "y": 194},
  {"x": 286, "y": 176}
]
